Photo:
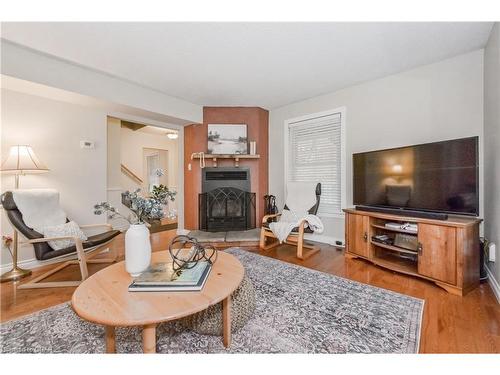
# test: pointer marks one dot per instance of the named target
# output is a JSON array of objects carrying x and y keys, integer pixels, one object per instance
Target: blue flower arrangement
[{"x": 142, "y": 208}]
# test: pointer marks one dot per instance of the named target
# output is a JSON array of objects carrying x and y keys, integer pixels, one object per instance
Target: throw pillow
[{"x": 62, "y": 230}]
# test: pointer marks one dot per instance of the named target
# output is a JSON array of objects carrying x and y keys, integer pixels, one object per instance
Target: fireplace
[{"x": 226, "y": 202}]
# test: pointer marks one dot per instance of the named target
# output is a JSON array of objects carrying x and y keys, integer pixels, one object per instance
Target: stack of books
[{"x": 161, "y": 277}]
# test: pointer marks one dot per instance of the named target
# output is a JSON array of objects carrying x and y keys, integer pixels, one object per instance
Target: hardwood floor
[{"x": 451, "y": 324}]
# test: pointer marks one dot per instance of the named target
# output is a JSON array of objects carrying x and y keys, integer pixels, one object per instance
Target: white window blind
[{"x": 315, "y": 155}]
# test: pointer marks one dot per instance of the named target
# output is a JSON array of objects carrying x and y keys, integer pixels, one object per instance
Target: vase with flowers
[{"x": 137, "y": 243}]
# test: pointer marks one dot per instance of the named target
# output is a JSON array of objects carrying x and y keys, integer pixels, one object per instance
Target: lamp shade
[{"x": 22, "y": 160}]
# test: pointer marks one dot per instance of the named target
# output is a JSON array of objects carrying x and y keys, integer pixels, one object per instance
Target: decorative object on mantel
[
  {"x": 227, "y": 139},
  {"x": 137, "y": 243},
  {"x": 187, "y": 259},
  {"x": 253, "y": 147},
  {"x": 201, "y": 156},
  {"x": 214, "y": 157},
  {"x": 21, "y": 160}
]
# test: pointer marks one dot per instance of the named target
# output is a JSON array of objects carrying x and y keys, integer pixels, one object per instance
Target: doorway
[
  {"x": 156, "y": 167},
  {"x": 143, "y": 156}
]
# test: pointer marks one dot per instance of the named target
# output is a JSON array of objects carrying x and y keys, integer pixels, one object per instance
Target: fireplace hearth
[{"x": 226, "y": 203}]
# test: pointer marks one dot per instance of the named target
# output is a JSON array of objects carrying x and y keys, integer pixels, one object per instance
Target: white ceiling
[{"x": 249, "y": 64}]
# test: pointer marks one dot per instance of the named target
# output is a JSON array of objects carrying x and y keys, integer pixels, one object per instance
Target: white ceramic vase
[{"x": 137, "y": 249}]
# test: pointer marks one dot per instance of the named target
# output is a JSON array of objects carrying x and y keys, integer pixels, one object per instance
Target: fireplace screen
[{"x": 226, "y": 209}]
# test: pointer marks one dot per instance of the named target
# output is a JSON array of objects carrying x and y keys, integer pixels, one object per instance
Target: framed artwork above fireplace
[{"x": 227, "y": 139}]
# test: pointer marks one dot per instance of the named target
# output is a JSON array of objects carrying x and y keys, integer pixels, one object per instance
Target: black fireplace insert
[
  {"x": 226, "y": 202},
  {"x": 226, "y": 209}
]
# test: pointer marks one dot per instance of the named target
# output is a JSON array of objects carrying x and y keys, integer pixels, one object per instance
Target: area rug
[{"x": 298, "y": 311}]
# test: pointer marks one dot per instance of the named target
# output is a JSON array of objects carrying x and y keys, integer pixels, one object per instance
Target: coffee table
[{"x": 104, "y": 299}]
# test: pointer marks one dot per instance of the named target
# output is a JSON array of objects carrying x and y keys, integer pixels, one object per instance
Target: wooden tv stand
[{"x": 447, "y": 252}]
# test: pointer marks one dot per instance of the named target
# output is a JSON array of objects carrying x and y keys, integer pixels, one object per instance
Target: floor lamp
[{"x": 21, "y": 160}]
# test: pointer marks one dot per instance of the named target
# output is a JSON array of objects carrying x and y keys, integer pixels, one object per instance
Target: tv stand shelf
[
  {"x": 393, "y": 248},
  {"x": 448, "y": 250},
  {"x": 393, "y": 229},
  {"x": 396, "y": 264}
]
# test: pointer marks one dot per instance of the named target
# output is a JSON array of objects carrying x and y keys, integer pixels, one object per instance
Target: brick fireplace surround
[{"x": 195, "y": 140}]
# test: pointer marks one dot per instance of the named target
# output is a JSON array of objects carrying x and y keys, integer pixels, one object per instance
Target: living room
[{"x": 344, "y": 201}]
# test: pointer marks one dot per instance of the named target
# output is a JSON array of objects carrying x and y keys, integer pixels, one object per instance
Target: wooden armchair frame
[
  {"x": 84, "y": 256},
  {"x": 294, "y": 239}
]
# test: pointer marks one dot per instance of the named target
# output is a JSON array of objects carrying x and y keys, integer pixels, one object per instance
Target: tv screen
[{"x": 438, "y": 177}]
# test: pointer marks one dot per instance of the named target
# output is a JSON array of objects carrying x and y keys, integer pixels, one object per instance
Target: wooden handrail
[{"x": 131, "y": 174}]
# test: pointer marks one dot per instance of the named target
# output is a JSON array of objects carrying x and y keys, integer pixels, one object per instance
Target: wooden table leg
[
  {"x": 226, "y": 321},
  {"x": 110, "y": 339},
  {"x": 149, "y": 338}
]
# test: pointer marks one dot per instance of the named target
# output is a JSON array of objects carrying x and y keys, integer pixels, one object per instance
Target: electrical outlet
[
  {"x": 189, "y": 166},
  {"x": 492, "y": 248}
]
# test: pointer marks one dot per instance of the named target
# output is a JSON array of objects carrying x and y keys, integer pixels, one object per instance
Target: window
[{"x": 315, "y": 152}]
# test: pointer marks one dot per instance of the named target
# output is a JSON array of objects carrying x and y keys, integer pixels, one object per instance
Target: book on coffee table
[{"x": 161, "y": 277}]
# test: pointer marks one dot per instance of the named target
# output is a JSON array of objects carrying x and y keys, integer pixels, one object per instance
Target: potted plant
[
  {"x": 163, "y": 194},
  {"x": 137, "y": 243}
]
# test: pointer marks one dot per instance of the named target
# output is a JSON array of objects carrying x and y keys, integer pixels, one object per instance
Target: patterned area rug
[{"x": 298, "y": 311}]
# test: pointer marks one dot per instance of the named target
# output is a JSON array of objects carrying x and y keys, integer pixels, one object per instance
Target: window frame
[{"x": 311, "y": 116}]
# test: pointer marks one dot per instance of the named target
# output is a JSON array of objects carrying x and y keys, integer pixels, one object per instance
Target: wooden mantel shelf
[{"x": 236, "y": 158}]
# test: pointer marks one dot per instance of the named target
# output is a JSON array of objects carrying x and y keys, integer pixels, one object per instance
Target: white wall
[
  {"x": 114, "y": 153},
  {"x": 114, "y": 174},
  {"x": 492, "y": 145},
  {"x": 54, "y": 129},
  {"x": 132, "y": 145},
  {"x": 431, "y": 103}
]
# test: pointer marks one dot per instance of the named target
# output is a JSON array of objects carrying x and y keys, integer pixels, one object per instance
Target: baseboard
[
  {"x": 33, "y": 263},
  {"x": 495, "y": 286},
  {"x": 30, "y": 264},
  {"x": 323, "y": 239}
]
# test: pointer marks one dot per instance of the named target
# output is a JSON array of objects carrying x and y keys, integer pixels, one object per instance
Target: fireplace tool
[{"x": 270, "y": 206}]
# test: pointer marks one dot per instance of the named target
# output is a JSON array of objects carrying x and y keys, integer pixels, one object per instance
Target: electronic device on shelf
[
  {"x": 383, "y": 238},
  {"x": 428, "y": 180},
  {"x": 393, "y": 225},
  {"x": 412, "y": 257},
  {"x": 409, "y": 227},
  {"x": 406, "y": 241}
]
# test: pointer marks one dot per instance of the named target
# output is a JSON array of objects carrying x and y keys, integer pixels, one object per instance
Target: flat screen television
[{"x": 440, "y": 177}]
